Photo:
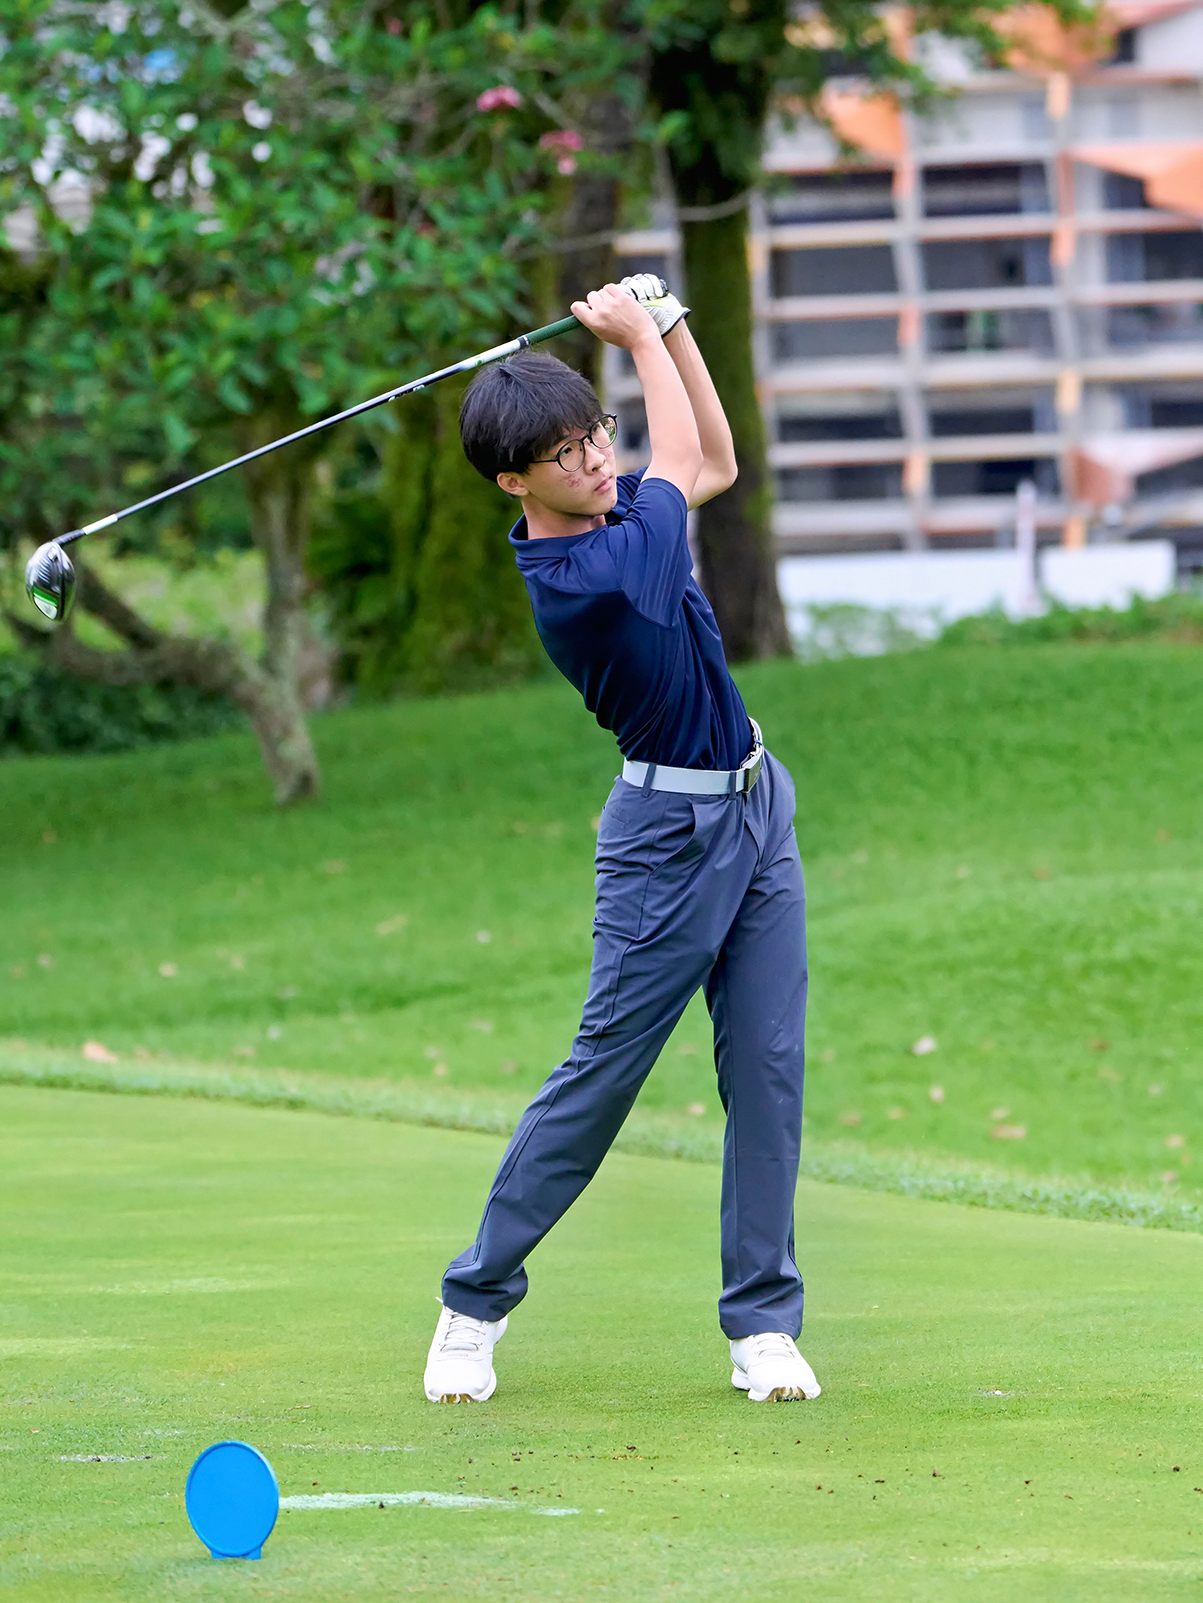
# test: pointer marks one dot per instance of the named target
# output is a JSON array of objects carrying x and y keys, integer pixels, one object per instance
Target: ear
[{"x": 513, "y": 484}]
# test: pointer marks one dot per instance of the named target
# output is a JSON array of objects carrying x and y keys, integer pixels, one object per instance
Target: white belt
[{"x": 701, "y": 781}]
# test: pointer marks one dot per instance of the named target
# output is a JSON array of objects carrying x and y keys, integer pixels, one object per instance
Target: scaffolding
[{"x": 1006, "y": 290}]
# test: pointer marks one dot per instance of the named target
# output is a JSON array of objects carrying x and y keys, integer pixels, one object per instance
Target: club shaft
[{"x": 481, "y": 359}]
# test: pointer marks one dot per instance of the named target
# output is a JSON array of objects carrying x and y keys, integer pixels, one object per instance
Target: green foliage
[
  {"x": 836, "y": 629},
  {"x": 242, "y": 219},
  {"x": 1178, "y": 616},
  {"x": 713, "y": 70},
  {"x": 281, "y": 208},
  {"x": 43, "y": 711}
]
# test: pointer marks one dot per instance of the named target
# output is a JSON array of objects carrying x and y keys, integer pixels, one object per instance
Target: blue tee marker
[{"x": 232, "y": 1500}]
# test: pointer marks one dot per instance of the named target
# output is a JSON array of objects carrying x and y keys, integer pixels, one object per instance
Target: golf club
[{"x": 49, "y": 575}]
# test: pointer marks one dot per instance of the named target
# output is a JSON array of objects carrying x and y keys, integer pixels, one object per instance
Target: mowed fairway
[
  {"x": 1006, "y": 1398},
  {"x": 1003, "y": 852}
]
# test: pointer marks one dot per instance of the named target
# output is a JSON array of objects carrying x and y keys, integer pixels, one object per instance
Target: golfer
[{"x": 698, "y": 878}]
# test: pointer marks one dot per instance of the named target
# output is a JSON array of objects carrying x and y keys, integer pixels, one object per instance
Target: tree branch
[
  {"x": 96, "y": 597},
  {"x": 208, "y": 665}
]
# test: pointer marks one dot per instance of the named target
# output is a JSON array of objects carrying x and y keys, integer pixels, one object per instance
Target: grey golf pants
[{"x": 691, "y": 891}]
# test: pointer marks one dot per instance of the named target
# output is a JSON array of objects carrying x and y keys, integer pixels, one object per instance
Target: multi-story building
[{"x": 1008, "y": 288}]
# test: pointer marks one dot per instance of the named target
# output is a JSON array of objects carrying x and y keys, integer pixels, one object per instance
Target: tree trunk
[
  {"x": 736, "y": 547},
  {"x": 721, "y": 95},
  {"x": 278, "y": 490},
  {"x": 269, "y": 692}
]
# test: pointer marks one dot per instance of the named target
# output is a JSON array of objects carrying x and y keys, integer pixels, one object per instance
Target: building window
[
  {"x": 833, "y": 198},
  {"x": 986, "y": 263},
  {"x": 1123, "y": 194},
  {"x": 1123, "y": 53},
  {"x": 985, "y": 191},
  {"x": 968, "y": 421},
  {"x": 951, "y": 479},
  {"x": 842, "y": 481},
  {"x": 844, "y": 270},
  {"x": 843, "y": 415},
  {"x": 1149, "y": 258},
  {"x": 1167, "y": 405},
  {"x": 823, "y": 339},
  {"x": 1179, "y": 476},
  {"x": 977, "y": 332},
  {"x": 1129, "y": 326},
  {"x": 991, "y": 409}
]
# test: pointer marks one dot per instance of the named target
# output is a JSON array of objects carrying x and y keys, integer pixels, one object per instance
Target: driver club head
[{"x": 50, "y": 581}]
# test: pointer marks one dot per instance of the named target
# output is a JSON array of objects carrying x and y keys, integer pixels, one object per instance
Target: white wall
[
  {"x": 1175, "y": 44},
  {"x": 926, "y": 589},
  {"x": 1108, "y": 575}
]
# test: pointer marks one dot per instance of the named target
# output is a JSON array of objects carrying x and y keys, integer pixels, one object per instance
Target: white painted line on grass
[
  {"x": 103, "y": 1458},
  {"x": 338, "y": 1500},
  {"x": 340, "y": 1447}
]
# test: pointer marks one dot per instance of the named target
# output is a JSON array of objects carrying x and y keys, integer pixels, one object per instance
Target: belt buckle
[{"x": 751, "y": 770}]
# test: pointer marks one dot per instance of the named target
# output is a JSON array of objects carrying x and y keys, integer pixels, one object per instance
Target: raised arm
[
  {"x": 719, "y": 470},
  {"x": 613, "y": 316}
]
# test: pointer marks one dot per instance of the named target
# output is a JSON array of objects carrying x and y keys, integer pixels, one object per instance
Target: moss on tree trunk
[{"x": 463, "y": 610}]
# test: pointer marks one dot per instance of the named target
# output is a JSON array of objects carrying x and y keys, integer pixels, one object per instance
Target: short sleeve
[{"x": 651, "y": 553}]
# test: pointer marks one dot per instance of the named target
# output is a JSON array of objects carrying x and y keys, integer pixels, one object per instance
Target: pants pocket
[{"x": 640, "y": 838}]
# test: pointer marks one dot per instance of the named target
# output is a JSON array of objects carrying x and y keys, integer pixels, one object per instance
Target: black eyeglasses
[{"x": 572, "y": 455}]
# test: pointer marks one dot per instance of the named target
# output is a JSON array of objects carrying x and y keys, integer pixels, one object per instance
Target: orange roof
[
  {"x": 1103, "y": 468},
  {"x": 1172, "y": 170},
  {"x": 870, "y": 120},
  {"x": 1042, "y": 43},
  {"x": 1135, "y": 13}
]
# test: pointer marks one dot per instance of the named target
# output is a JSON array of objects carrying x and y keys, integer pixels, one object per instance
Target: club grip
[{"x": 564, "y": 326}]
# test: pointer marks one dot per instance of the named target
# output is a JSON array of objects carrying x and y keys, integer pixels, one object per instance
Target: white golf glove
[{"x": 653, "y": 295}]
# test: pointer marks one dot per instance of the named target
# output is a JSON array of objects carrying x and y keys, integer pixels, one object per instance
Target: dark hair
[{"x": 516, "y": 410}]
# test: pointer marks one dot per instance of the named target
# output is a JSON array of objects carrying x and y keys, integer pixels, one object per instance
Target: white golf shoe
[
  {"x": 771, "y": 1369},
  {"x": 459, "y": 1366}
]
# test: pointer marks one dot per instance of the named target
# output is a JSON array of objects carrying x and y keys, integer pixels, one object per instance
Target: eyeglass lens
[{"x": 572, "y": 456}]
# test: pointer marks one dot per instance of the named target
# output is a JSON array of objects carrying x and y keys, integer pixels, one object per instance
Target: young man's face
[{"x": 584, "y": 486}]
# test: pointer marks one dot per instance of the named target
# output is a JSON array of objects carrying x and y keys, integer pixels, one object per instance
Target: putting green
[{"x": 1006, "y": 1397}]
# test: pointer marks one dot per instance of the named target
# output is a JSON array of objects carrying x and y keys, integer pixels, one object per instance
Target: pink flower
[
  {"x": 566, "y": 165},
  {"x": 500, "y": 95},
  {"x": 562, "y": 139}
]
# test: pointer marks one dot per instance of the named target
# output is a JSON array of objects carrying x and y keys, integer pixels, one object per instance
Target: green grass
[
  {"x": 1005, "y": 1399},
  {"x": 1003, "y": 851},
  {"x": 646, "y": 1133}
]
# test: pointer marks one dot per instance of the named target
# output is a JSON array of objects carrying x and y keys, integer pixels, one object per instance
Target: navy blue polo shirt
[{"x": 621, "y": 616}]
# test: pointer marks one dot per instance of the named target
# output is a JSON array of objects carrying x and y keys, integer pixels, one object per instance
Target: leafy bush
[
  {"x": 827, "y": 631},
  {"x": 42, "y": 711},
  {"x": 1178, "y": 616}
]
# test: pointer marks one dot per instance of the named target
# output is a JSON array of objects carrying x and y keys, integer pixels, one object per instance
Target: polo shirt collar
[{"x": 556, "y": 542}]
